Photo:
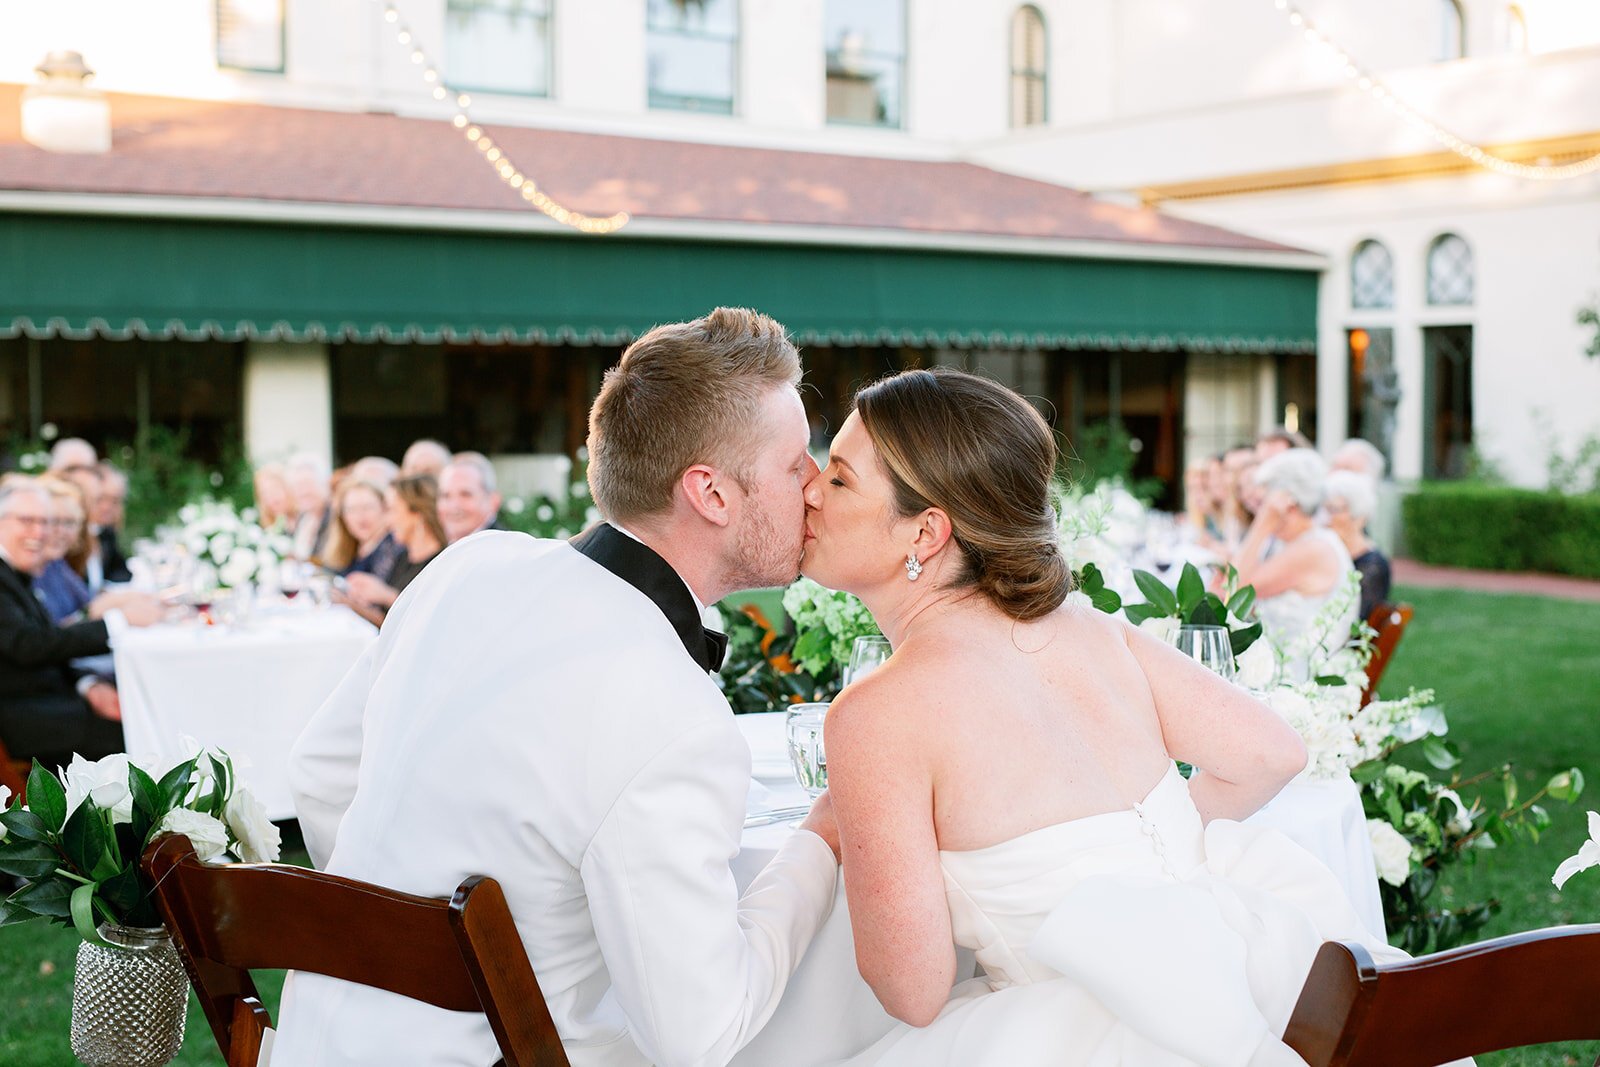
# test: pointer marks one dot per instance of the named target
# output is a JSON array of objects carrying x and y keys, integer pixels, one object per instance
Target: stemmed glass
[
  {"x": 1210, "y": 645},
  {"x": 866, "y": 655}
]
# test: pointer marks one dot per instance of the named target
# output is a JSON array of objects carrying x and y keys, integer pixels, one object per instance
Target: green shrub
[{"x": 1490, "y": 527}]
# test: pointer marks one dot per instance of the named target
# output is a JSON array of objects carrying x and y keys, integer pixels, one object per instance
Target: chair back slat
[
  {"x": 230, "y": 919},
  {"x": 1525, "y": 989},
  {"x": 1390, "y": 622}
]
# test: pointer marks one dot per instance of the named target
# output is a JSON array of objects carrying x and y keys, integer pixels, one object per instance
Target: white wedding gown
[{"x": 1138, "y": 937}]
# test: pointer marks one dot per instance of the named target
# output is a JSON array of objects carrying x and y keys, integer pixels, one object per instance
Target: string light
[
  {"x": 492, "y": 154},
  {"x": 1369, "y": 83}
]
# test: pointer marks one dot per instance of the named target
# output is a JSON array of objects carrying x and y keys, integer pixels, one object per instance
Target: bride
[{"x": 1006, "y": 782}]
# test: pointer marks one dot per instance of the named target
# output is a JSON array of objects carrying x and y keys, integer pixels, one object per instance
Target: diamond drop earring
[{"x": 913, "y": 567}]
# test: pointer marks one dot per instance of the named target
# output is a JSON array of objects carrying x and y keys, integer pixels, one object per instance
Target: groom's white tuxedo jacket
[{"x": 530, "y": 715}]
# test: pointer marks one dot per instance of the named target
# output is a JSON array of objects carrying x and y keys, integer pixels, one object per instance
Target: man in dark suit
[
  {"x": 49, "y": 710},
  {"x": 108, "y": 512}
]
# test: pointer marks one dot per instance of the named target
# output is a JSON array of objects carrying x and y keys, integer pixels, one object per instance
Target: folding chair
[
  {"x": 1525, "y": 989},
  {"x": 1390, "y": 620},
  {"x": 464, "y": 954}
]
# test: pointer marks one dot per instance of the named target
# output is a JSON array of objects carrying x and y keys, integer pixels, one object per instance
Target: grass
[{"x": 1518, "y": 679}]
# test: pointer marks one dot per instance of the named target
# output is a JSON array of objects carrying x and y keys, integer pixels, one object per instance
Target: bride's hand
[{"x": 821, "y": 822}]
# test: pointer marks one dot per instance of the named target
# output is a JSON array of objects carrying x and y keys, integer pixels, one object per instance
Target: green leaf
[
  {"x": 1106, "y": 600},
  {"x": 1567, "y": 786},
  {"x": 1190, "y": 590},
  {"x": 84, "y": 838},
  {"x": 28, "y": 859},
  {"x": 1138, "y": 613},
  {"x": 1242, "y": 601},
  {"x": 1090, "y": 579},
  {"x": 122, "y": 892},
  {"x": 146, "y": 794},
  {"x": 1369, "y": 771},
  {"x": 1509, "y": 781},
  {"x": 50, "y": 898},
  {"x": 1329, "y": 679},
  {"x": 174, "y": 785},
  {"x": 82, "y": 911},
  {"x": 1540, "y": 817},
  {"x": 1204, "y": 614},
  {"x": 1243, "y": 638},
  {"x": 22, "y": 823},
  {"x": 1156, "y": 592},
  {"x": 1440, "y": 753},
  {"x": 46, "y": 798}
]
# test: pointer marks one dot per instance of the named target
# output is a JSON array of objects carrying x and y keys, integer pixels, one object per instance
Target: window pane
[
  {"x": 1372, "y": 277},
  {"x": 1452, "y": 36},
  {"x": 691, "y": 69},
  {"x": 498, "y": 47},
  {"x": 718, "y": 18},
  {"x": 1450, "y": 271},
  {"x": 1027, "y": 40},
  {"x": 1027, "y": 100},
  {"x": 866, "y": 48},
  {"x": 250, "y": 34}
]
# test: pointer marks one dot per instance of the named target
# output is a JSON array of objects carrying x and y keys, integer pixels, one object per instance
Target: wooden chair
[
  {"x": 464, "y": 954},
  {"x": 1390, "y": 620},
  {"x": 1525, "y": 989},
  {"x": 13, "y": 772}
]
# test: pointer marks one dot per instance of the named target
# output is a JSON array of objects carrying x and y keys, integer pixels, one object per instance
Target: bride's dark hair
[{"x": 983, "y": 455}]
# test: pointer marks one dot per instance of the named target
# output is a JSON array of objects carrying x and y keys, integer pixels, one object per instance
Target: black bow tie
[{"x": 716, "y": 648}]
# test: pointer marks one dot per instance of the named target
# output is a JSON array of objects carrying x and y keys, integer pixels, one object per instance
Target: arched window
[
  {"x": 1371, "y": 276},
  {"x": 1451, "y": 277},
  {"x": 865, "y": 61},
  {"x": 1452, "y": 30},
  {"x": 1516, "y": 30},
  {"x": 1030, "y": 68},
  {"x": 692, "y": 52}
]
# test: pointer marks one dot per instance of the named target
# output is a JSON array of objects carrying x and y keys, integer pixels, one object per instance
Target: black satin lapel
[{"x": 638, "y": 565}]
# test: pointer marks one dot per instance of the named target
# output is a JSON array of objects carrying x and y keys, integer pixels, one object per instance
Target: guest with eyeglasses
[
  {"x": 60, "y": 585},
  {"x": 48, "y": 708}
]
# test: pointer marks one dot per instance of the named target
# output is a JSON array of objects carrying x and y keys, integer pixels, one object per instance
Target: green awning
[{"x": 162, "y": 278}]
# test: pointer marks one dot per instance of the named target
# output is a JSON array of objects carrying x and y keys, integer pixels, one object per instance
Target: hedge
[{"x": 1490, "y": 527}]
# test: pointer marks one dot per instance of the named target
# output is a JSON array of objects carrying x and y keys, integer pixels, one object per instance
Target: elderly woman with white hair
[
  {"x": 1348, "y": 502},
  {"x": 1295, "y": 565}
]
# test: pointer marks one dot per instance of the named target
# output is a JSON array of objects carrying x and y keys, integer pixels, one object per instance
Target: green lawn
[{"x": 1519, "y": 678}]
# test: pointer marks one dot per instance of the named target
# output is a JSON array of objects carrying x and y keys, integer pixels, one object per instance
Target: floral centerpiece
[
  {"x": 231, "y": 544},
  {"x": 545, "y": 516},
  {"x": 77, "y": 846}
]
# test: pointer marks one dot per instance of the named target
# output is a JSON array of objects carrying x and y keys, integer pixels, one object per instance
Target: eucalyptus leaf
[
  {"x": 46, "y": 798},
  {"x": 1156, "y": 592}
]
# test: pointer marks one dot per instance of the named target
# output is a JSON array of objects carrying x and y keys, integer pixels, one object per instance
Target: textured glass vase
[{"x": 129, "y": 1001}]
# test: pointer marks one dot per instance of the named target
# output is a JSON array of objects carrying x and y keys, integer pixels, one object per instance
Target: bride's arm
[
  {"x": 882, "y": 788},
  {"x": 1243, "y": 751}
]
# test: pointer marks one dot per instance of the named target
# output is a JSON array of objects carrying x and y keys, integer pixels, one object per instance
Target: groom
[{"x": 542, "y": 712}]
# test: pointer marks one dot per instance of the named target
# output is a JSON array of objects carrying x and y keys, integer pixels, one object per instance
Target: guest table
[{"x": 247, "y": 690}]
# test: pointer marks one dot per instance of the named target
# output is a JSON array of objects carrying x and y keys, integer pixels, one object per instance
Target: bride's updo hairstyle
[{"x": 981, "y": 454}]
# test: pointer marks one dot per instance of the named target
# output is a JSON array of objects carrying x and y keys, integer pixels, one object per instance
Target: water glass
[
  {"x": 866, "y": 656},
  {"x": 1208, "y": 644},
  {"x": 803, "y": 725}
]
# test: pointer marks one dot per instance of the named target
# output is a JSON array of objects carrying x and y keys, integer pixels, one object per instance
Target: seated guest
[
  {"x": 468, "y": 501},
  {"x": 274, "y": 503},
  {"x": 1308, "y": 568},
  {"x": 1202, "y": 511},
  {"x": 309, "y": 479},
  {"x": 1277, "y": 441},
  {"x": 71, "y": 454},
  {"x": 108, "y": 516},
  {"x": 425, "y": 457},
  {"x": 413, "y": 512},
  {"x": 378, "y": 470},
  {"x": 1362, "y": 457},
  {"x": 359, "y": 541},
  {"x": 59, "y": 583},
  {"x": 49, "y": 710},
  {"x": 1349, "y": 502},
  {"x": 1238, "y": 470}
]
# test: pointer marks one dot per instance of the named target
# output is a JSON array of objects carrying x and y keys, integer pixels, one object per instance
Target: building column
[{"x": 288, "y": 401}]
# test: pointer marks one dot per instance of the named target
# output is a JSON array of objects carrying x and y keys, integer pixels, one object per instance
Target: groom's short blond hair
[{"x": 684, "y": 393}]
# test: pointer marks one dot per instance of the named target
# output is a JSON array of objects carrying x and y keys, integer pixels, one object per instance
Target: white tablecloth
[{"x": 247, "y": 691}]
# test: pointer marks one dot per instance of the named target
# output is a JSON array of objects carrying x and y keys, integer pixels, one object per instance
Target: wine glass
[
  {"x": 866, "y": 655},
  {"x": 803, "y": 726},
  {"x": 1210, "y": 645},
  {"x": 291, "y": 578}
]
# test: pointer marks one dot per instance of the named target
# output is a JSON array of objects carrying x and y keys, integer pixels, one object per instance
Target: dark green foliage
[{"x": 1504, "y": 529}]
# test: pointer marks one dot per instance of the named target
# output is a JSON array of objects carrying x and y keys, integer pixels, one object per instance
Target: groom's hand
[{"x": 821, "y": 822}]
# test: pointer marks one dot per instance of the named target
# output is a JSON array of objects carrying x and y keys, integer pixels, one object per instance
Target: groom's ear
[{"x": 702, "y": 488}]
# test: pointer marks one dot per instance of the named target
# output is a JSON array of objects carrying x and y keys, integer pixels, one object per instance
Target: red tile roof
[{"x": 178, "y": 147}]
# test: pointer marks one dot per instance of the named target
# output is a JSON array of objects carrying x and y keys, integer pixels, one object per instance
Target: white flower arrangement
[
  {"x": 828, "y": 623},
  {"x": 1588, "y": 855},
  {"x": 236, "y": 549}
]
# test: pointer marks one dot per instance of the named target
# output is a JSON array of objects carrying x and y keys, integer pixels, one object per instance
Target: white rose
[
  {"x": 1257, "y": 666},
  {"x": 1461, "y": 821},
  {"x": 5, "y": 799},
  {"x": 105, "y": 782},
  {"x": 258, "y": 839},
  {"x": 1391, "y": 852},
  {"x": 221, "y": 546},
  {"x": 208, "y": 836},
  {"x": 1162, "y": 627},
  {"x": 188, "y": 513}
]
